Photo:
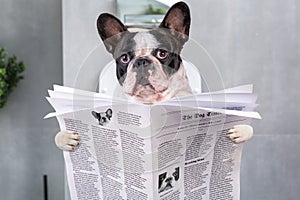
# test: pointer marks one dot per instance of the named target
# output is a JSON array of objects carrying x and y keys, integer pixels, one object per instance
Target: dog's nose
[{"x": 142, "y": 62}]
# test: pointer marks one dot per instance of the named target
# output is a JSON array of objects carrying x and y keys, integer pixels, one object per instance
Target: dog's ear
[
  {"x": 109, "y": 28},
  {"x": 109, "y": 113},
  {"x": 95, "y": 114},
  {"x": 178, "y": 19}
]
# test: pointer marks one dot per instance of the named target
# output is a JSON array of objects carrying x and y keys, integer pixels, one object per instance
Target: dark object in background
[
  {"x": 10, "y": 70},
  {"x": 45, "y": 183}
]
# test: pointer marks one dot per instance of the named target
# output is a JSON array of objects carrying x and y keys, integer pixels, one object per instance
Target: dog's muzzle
[
  {"x": 143, "y": 68},
  {"x": 146, "y": 81}
]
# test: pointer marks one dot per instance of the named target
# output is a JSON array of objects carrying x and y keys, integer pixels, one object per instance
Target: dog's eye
[
  {"x": 125, "y": 58},
  {"x": 161, "y": 54}
]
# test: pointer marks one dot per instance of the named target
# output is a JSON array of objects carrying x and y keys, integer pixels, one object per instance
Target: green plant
[
  {"x": 151, "y": 10},
  {"x": 10, "y": 70}
]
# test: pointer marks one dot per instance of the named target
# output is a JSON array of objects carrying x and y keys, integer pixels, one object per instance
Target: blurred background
[{"x": 251, "y": 41}]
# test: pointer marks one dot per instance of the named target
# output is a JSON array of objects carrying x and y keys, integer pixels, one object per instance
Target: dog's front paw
[
  {"x": 240, "y": 133},
  {"x": 66, "y": 140}
]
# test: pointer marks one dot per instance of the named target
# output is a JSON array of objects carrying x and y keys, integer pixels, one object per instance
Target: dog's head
[
  {"x": 168, "y": 180},
  {"x": 149, "y": 66},
  {"x": 103, "y": 117}
]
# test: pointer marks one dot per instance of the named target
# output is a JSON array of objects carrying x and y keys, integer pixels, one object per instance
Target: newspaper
[{"x": 174, "y": 150}]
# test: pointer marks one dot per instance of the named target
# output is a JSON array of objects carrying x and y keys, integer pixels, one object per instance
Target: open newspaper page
[
  {"x": 113, "y": 160},
  {"x": 166, "y": 151},
  {"x": 194, "y": 158}
]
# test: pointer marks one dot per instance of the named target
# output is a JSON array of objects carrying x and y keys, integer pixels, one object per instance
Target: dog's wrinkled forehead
[{"x": 143, "y": 43}]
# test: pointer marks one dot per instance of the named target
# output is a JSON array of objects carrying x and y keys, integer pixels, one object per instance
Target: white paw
[
  {"x": 240, "y": 133},
  {"x": 67, "y": 140}
]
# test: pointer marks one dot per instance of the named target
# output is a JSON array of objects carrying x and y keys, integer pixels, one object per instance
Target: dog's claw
[
  {"x": 240, "y": 133},
  {"x": 67, "y": 140}
]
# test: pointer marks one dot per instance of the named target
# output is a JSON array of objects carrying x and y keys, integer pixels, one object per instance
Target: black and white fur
[
  {"x": 149, "y": 66},
  {"x": 103, "y": 117},
  {"x": 168, "y": 180}
]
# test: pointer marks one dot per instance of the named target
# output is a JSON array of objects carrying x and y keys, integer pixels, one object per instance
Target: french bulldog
[
  {"x": 167, "y": 180},
  {"x": 103, "y": 117},
  {"x": 149, "y": 66}
]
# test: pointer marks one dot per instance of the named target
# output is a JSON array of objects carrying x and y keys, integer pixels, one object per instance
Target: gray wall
[
  {"x": 32, "y": 30},
  {"x": 251, "y": 41},
  {"x": 79, "y": 34}
]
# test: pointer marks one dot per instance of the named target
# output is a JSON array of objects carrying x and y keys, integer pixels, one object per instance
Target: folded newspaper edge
[{"x": 74, "y": 95}]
